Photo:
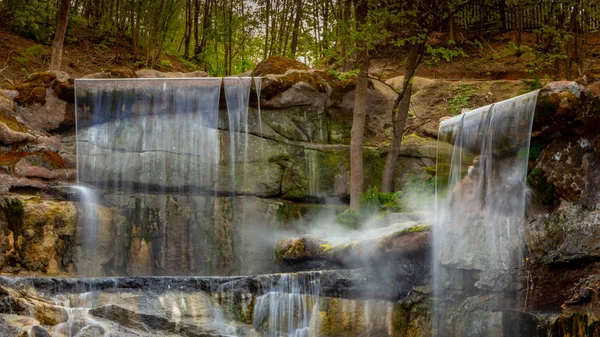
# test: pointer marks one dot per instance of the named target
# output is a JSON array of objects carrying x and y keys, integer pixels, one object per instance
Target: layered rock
[{"x": 203, "y": 306}]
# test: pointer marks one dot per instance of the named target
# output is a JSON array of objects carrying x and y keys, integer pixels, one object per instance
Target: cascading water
[
  {"x": 480, "y": 207},
  {"x": 287, "y": 308},
  {"x": 153, "y": 149}
]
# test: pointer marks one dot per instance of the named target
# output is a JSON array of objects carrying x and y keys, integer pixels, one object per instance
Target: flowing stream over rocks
[{"x": 478, "y": 235}]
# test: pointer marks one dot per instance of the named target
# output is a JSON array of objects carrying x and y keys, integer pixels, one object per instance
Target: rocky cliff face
[
  {"x": 299, "y": 147},
  {"x": 304, "y": 135}
]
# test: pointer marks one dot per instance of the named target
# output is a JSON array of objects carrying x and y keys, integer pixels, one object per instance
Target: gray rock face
[{"x": 215, "y": 306}]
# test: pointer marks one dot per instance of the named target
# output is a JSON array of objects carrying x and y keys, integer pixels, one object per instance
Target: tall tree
[
  {"x": 59, "y": 37},
  {"x": 360, "y": 110},
  {"x": 421, "y": 17}
]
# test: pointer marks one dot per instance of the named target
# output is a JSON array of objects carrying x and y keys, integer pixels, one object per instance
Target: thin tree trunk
[
  {"x": 205, "y": 25},
  {"x": 267, "y": 18},
  {"x": 59, "y": 37},
  {"x": 399, "y": 116},
  {"x": 187, "y": 37},
  {"x": 359, "y": 116},
  {"x": 294, "y": 46},
  {"x": 196, "y": 21},
  {"x": 572, "y": 43}
]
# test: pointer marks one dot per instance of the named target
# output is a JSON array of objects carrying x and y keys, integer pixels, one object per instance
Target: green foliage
[
  {"x": 35, "y": 52},
  {"x": 165, "y": 64},
  {"x": 375, "y": 201},
  {"x": 533, "y": 84},
  {"x": 436, "y": 55},
  {"x": 349, "y": 219},
  {"x": 34, "y": 19},
  {"x": 344, "y": 75},
  {"x": 372, "y": 202},
  {"x": 460, "y": 100}
]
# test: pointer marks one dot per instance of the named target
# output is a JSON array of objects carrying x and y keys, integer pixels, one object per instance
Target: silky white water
[{"x": 480, "y": 206}]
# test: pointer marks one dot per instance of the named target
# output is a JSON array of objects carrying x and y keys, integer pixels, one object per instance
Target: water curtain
[{"x": 480, "y": 206}]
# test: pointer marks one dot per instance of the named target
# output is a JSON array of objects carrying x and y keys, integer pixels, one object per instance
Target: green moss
[
  {"x": 422, "y": 227},
  {"x": 290, "y": 249},
  {"x": 544, "y": 191},
  {"x": 325, "y": 247},
  {"x": 14, "y": 213}
]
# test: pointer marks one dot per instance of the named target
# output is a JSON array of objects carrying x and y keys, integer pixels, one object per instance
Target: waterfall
[
  {"x": 165, "y": 162},
  {"x": 287, "y": 308},
  {"x": 480, "y": 206}
]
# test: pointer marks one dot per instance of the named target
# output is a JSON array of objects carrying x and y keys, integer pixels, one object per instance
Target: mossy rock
[
  {"x": 65, "y": 90},
  {"x": 275, "y": 85},
  {"x": 277, "y": 65},
  {"x": 33, "y": 90},
  {"x": 122, "y": 73},
  {"x": 48, "y": 159},
  {"x": 12, "y": 123}
]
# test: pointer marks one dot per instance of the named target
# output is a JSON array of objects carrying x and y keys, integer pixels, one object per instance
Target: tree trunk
[
  {"x": 359, "y": 116},
  {"x": 187, "y": 37},
  {"x": 267, "y": 18},
  {"x": 399, "y": 116},
  {"x": 294, "y": 46},
  {"x": 59, "y": 37}
]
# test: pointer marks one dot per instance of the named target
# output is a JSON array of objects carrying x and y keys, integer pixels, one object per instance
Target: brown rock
[
  {"x": 295, "y": 88},
  {"x": 8, "y": 136},
  {"x": 65, "y": 90},
  {"x": 24, "y": 168},
  {"x": 37, "y": 236},
  {"x": 114, "y": 73},
  {"x": 565, "y": 164},
  {"x": 52, "y": 115},
  {"x": 581, "y": 314},
  {"x": 151, "y": 73},
  {"x": 277, "y": 65}
]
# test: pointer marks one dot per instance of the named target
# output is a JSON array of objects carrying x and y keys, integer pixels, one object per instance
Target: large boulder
[
  {"x": 46, "y": 101},
  {"x": 277, "y": 65},
  {"x": 401, "y": 241}
]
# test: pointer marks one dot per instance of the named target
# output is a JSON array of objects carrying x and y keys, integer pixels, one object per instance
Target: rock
[
  {"x": 277, "y": 65},
  {"x": 8, "y": 182},
  {"x": 380, "y": 100},
  {"x": 24, "y": 168},
  {"x": 566, "y": 163},
  {"x": 38, "y": 331},
  {"x": 45, "y": 143},
  {"x": 151, "y": 73},
  {"x": 38, "y": 236},
  {"x": 561, "y": 103},
  {"x": 7, "y": 103},
  {"x": 16, "y": 325},
  {"x": 53, "y": 114},
  {"x": 418, "y": 83},
  {"x": 295, "y": 88},
  {"x": 9, "y": 94},
  {"x": 403, "y": 242},
  {"x": 568, "y": 234},
  {"x": 581, "y": 312},
  {"x": 8, "y": 136},
  {"x": 65, "y": 90},
  {"x": 308, "y": 172},
  {"x": 113, "y": 73}
]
